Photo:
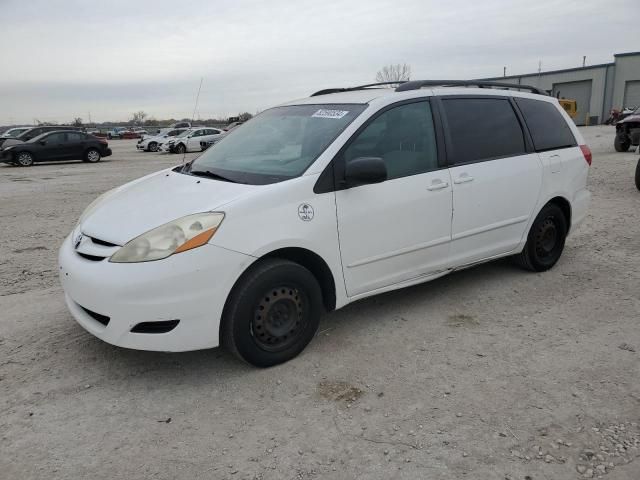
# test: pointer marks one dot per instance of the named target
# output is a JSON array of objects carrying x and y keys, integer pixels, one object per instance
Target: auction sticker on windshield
[{"x": 330, "y": 113}]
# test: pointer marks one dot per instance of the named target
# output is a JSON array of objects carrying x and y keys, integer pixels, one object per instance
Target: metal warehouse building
[{"x": 596, "y": 88}]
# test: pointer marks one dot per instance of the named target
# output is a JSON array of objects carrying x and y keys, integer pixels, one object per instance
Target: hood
[
  {"x": 139, "y": 206},
  {"x": 11, "y": 141}
]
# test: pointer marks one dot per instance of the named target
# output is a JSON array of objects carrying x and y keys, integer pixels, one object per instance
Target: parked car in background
[
  {"x": 14, "y": 132},
  {"x": 57, "y": 145},
  {"x": 232, "y": 125},
  {"x": 627, "y": 132},
  {"x": 116, "y": 132},
  {"x": 189, "y": 141},
  {"x": 32, "y": 133},
  {"x": 133, "y": 133},
  {"x": 150, "y": 143},
  {"x": 321, "y": 202}
]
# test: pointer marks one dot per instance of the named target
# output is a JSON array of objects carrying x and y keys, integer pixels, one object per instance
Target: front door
[
  {"x": 398, "y": 230},
  {"x": 55, "y": 147}
]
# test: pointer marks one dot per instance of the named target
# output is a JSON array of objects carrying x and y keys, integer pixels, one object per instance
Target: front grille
[
  {"x": 104, "y": 243},
  {"x": 93, "y": 258},
  {"x": 98, "y": 317},
  {"x": 155, "y": 327}
]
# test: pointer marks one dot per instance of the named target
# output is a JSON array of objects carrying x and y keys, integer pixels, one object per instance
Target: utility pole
[
  {"x": 504, "y": 71},
  {"x": 584, "y": 60}
]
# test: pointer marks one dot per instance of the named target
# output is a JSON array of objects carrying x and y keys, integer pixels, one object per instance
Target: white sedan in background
[
  {"x": 189, "y": 141},
  {"x": 151, "y": 143}
]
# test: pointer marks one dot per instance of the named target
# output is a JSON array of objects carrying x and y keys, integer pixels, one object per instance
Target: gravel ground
[{"x": 489, "y": 373}]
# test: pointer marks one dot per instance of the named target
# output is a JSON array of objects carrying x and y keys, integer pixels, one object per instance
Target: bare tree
[
  {"x": 138, "y": 118},
  {"x": 243, "y": 117},
  {"x": 77, "y": 122},
  {"x": 394, "y": 73}
]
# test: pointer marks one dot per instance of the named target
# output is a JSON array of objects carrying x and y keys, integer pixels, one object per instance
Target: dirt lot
[{"x": 489, "y": 373}]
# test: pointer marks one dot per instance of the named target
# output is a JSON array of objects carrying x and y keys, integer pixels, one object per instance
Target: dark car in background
[
  {"x": 33, "y": 132},
  {"x": 57, "y": 145}
]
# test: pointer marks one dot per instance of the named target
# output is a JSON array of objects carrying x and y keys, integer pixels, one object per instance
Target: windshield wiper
[{"x": 210, "y": 174}]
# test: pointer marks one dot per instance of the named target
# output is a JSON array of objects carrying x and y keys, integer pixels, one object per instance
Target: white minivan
[{"x": 320, "y": 202}]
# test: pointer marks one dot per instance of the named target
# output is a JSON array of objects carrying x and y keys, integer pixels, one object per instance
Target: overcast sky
[{"x": 70, "y": 58}]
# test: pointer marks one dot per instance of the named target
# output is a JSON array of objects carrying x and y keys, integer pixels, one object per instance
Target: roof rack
[
  {"x": 417, "y": 84},
  {"x": 327, "y": 91}
]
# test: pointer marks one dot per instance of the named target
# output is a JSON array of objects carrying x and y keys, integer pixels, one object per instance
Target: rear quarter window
[{"x": 548, "y": 128}]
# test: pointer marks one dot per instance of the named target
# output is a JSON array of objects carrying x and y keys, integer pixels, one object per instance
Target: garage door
[
  {"x": 632, "y": 94},
  {"x": 578, "y": 91}
]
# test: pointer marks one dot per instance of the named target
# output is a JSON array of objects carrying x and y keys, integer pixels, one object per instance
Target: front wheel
[
  {"x": 621, "y": 143},
  {"x": 92, "y": 156},
  {"x": 180, "y": 148},
  {"x": 638, "y": 175},
  {"x": 153, "y": 147},
  {"x": 272, "y": 313},
  {"x": 24, "y": 159},
  {"x": 545, "y": 241}
]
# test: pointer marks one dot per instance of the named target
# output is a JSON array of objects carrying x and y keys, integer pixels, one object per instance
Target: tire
[
  {"x": 24, "y": 159},
  {"x": 180, "y": 148},
  {"x": 621, "y": 143},
  {"x": 92, "y": 156},
  {"x": 153, "y": 147},
  {"x": 545, "y": 241},
  {"x": 272, "y": 313},
  {"x": 638, "y": 175}
]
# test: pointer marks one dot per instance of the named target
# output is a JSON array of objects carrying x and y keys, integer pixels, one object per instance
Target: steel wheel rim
[
  {"x": 547, "y": 237},
  {"x": 279, "y": 318}
]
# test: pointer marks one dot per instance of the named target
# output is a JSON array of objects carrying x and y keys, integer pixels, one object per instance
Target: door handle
[
  {"x": 437, "y": 185},
  {"x": 464, "y": 178}
]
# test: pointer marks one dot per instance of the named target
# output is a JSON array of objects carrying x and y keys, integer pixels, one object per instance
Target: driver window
[{"x": 403, "y": 136}]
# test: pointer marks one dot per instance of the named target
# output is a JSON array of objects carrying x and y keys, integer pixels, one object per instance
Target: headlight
[
  {"x": 178, "y": 236},
  {"x": 8, "y": 148}
]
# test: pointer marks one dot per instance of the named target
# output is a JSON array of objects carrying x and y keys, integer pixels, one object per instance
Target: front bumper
[
  {"x": 107, "y": 152},
  {"x": 191, "y": 287}
]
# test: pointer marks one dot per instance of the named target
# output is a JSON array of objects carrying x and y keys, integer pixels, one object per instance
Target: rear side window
[
  {"x": 547, "y": 126},
  {"x": 481, "y": 129},
  {"x": 75, "y": 137}
]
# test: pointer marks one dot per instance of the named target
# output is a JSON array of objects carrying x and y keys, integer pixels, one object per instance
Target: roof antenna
[{"x": 184, "y": 154}]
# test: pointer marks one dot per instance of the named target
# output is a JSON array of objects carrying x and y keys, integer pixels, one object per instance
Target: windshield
[
  {"x": 14, "y": 132},
  {"x": 279, "y": 144}
]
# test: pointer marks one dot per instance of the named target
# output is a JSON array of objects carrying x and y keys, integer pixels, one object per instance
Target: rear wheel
[
  {"x": 24, "y": 159},
  {"x": 638, "y": 175},
  {"x": 545, "y": 241},
  {"x": 621, "y": 143},
  {"x": 272, "y": 313},
  {"x": 92, "y": 156},
  {"x": 153, "y": 147}
]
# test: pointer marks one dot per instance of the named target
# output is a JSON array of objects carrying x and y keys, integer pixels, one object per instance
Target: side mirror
[{"x": 365, "y": 170}]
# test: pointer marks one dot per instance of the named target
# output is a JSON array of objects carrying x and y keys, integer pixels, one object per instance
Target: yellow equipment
[{"x": 570, "y": 106}]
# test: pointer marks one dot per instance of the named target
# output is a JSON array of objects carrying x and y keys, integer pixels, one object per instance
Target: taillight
[{"x": 587, "y": 154}]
